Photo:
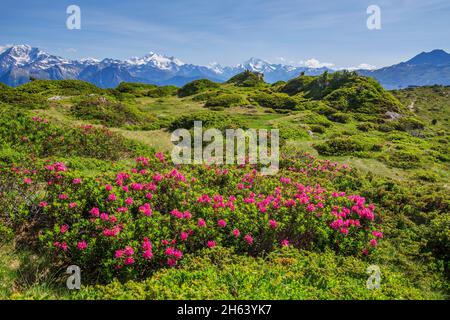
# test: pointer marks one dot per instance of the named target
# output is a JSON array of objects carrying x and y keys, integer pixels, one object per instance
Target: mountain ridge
[{"x": 19, "y": 63}]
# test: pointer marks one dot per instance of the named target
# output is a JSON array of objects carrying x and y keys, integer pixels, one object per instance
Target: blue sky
[{"x": 231, "y": 31}]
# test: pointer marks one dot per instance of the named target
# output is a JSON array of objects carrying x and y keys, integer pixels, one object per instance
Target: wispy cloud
[
  {"x": 4, "y": 47},
  {"x": 314, "y": 63}
]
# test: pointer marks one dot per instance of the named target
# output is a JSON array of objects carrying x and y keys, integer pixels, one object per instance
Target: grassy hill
[{"x": 67, "y": 146}]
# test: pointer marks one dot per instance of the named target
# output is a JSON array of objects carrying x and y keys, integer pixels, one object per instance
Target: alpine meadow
[{"x": 93, "y": 205}]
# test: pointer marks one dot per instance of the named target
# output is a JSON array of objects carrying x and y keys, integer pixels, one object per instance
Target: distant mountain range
[
  {"x": 21, "y": 62},
  {"x": 427, "y": 68}
]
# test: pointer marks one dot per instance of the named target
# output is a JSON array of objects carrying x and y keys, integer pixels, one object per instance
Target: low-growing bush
[
  {"x": 366, "y": 126},
  {"x": 130, "y": 223},
  {"x": 197, "y": 86},
  {"x": 108, "y": 112},
  {"x": 209, "y": 120},
  {"x": 340, "y": 147},
  {"x": 247, "y": 79},
  {"x": 275, "y": 101},
  {"x": 20, "y": 99},
  {"x": 225, "y": 100},
  {"x": 49, "y": 88},
  {"x": 36, "y": 136},
  {"x": 318, "y": 129},
  {"x": 163, "y": 91},
  {"x": 405, "y": 159},
  {"x": 340, "y": 117}
]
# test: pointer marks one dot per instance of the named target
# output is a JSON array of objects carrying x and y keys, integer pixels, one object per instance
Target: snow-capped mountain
[
  {"x": 20, "y": 62},
  {"x": 156, "y": 60},
  {"x": 426, "y": 68}
]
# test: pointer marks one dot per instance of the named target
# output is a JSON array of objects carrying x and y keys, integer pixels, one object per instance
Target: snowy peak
[
  {"x": 22, "y": 55},
  {"x": 156, "y": 60},
  {"x": 436, "y": 57},
  {"x": 258, "y": 65}
]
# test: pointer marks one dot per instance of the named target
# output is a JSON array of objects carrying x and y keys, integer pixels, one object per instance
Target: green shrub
[
  {"x": 225, "y": 100},
  {"x": 275, "y": 101},
  {"x": 340, "y": 117},
  {"x": 36, "y": 136},
  {"x": 366, "y": 126},
  {"x": 247, "y": 79},
  {"x": 439, "y": 239},
  {"x": 48, "y": 88},
  {"x": 209, "y": 120},
  {"x": 428, "y": 176},
  {"x": 405, "y": 159},
  {"x": 21, "y": 99},
  {"x": 298, "y": 85},
  {"x": 164, "y": 91},
  {"x": 197, "y": 86},
  {"x": 345, "y": 91},
  {"x": 105, "y": 111},
  {"x": 317, "y": 129},
  {"x": 408, "y": 124},
  {"x": 340, "y": 147},
  {"x": 288, "y": 274}
]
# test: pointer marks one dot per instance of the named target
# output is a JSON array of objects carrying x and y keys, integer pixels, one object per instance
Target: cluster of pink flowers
[
  {"x": 147, "y": 249},
  {"x": 173, "y": 255},
  {"x": 157, "y": 203},
  {"x": 39, "y": 119},
  {"x": 125, "y": 256},
  {"x": 82, "y": 245},
  {"x": 146, "y": 209}
]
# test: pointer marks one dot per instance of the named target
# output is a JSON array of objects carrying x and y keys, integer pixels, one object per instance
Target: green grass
[{"x": 404, "y": 159}]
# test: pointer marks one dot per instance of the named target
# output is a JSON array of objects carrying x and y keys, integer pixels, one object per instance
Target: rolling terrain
[{"x": 86, "y": 178}]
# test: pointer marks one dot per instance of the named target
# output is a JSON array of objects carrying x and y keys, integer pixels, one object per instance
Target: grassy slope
[{"x": 429, "y": 104}]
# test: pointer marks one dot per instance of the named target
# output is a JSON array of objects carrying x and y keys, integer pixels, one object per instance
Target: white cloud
[
  {"x": 3, "y": 48},
  {"x": 71, "y": 50},
  {"x": 362, "y": 66},
  {"x": 314, "y": 63},
  {"x": 366, "y": 66}
]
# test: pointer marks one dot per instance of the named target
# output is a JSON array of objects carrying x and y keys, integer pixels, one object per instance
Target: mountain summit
[
  {"x": 20, "y": 62},
  {"x": 424, "y": 69},
  {"x": 436, "y": 58}
]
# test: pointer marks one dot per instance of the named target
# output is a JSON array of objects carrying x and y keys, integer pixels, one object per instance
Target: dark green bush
[
  {"x": 50, "y": 88},
  {"x": 225, "y": 100},
  {"x": 35, "y": 136},
  {"x": 340, "y": 147},
  {"x": 209, "y": 120},
  {"x": 340, "y": 117},
  {"x": 197, "y": 86},
  {"x": 108, "y": 112},
  {"x": 366, "y": 126},
  {"x": 247, "y": 79},
  {"x": 317, "y": 128},
  {"x": 21, "y": 99},
  {"x": 164, "y": 91},
  {"x": 404, "y": 159},
  {"x": 275, "y": 101}
]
